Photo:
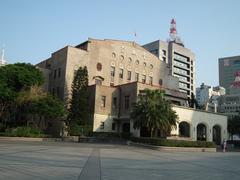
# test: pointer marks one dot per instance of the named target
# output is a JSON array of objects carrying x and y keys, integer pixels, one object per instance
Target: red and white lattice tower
[
  {"x": 236, "y": 82},
  {"x": 173, "y": 30}
]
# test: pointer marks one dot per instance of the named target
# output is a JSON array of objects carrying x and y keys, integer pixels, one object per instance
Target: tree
[
  {"x": 6, "y": 97},
  {"x": 193, "y": 102},
  {"x": 79, "y": 108},
  {"x": 20, "y": 76},
  {"x": 234, "y": 125},
  {"x": 47, "y": 107},
  {"x": 13, "y": 79},
  {"x": 153, "y": 112}
]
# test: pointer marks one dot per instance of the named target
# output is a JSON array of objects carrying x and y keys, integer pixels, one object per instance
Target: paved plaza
[{"x": 48, "y": 160}]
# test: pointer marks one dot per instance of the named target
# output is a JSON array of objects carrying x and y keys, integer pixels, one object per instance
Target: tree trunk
[
  {"x": 39, "y": 122},
  {"x": 152, "y": 132}
]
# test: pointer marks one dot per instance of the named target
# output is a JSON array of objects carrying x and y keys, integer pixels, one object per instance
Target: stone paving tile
[{"x": 75, "y": 161}]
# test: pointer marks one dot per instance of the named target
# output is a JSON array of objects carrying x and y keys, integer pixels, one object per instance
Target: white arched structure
[{"x": 196, "y": 117}]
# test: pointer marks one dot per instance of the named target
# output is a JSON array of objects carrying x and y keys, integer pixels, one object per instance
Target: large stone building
[
  {"x": 109, "y": 63},
  {"x": 118, "y": 71}
]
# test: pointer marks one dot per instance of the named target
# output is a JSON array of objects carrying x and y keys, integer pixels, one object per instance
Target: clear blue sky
[{"x": 32, "y": 30}]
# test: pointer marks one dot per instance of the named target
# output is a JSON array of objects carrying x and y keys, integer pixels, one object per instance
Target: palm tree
[{"x": 153, "y": 112}]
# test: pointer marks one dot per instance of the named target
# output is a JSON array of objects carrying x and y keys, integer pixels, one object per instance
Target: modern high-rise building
[
  {"x": 229, "y": 73},
  {"x": 180, "y": 59},
  {"x": 207, "y": 97}
]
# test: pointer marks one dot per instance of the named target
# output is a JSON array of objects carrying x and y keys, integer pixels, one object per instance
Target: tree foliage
[
  {"x": 234, "y": 125},
  {"x": 153, "y": 112},
  {"x": 22, "y": 96},
  {"x": 79, "y": 108},
  {"x": 20, "y": 75},
  {"x": 13, "y": 79}
]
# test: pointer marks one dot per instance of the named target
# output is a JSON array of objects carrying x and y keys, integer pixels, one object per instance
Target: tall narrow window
[
  {"x": 114, "y": 103},
  {"x": 129, "y": 75},
  {"x": 102, "y": 125},
  {"x": 150, "y": 80},
  {"x": 112, "y": 73},
  {"x": 121, "y": 73},
  {"x": 113, "y": 126},
  {"x": 55, "y": 73},
  {"x": 58, "y": 92},
  {"x": 144, "y": 79},
  {"x": 160, "y": 82},
  {"x": 137, "y": 77},
  {"x": 103, "y": 101},
  {"x": 126, "y": 104},
  {"x": 112, "y": 69},
  {"x": 59, "y": 72}
]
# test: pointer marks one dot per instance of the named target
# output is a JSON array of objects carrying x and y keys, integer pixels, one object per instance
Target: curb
[
  {"x": 173, "y": 149},
  {"x": 29, "y": 139}
]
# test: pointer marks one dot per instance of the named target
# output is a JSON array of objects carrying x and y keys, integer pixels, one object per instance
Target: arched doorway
[
  {"x": 184, "y": 129},
  {"x": 126, "y": 127},
  {"x": 201, "y": 132},
  {"x": 216, "y": 134}
]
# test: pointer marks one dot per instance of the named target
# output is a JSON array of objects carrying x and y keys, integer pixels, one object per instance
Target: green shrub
[
  {"x": 2, "y": 127},
  {"x": 24, "y": 132},
  {"x": 77, "y": 130},
  {"x": 123, "y": 135},
  {"x": 173, "y": 143}
]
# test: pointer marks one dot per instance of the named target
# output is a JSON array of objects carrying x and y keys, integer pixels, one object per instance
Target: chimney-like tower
[
  {"x": 173, "y": 30},
  {"x": 173, "y": 33}
]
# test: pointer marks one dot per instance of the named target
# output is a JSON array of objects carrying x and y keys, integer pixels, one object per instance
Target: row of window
[
  {"x": 130, "y": 61},
  {"x": 114, "y": 104},
  {"x": 103, "y": 124},
  {"x": 57, "y": 73},
  {"x": 129, "y": 75},
  {"x": 56, "y": 91}
]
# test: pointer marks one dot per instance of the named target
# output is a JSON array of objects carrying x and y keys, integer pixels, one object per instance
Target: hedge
[
  {"x": 123, "y": 135},
  {"x": 235, "y": 142},
  {"x": 173, "y": 143},
  {"x": 23, "y": 132}
]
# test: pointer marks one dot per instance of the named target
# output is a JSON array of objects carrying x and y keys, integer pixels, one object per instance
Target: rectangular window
[
  {"x": 102, "y": 125},
  {"x": 53, "y": 91},
  {"x": 143, "y": 79},
  {"x": 150, "y": 80},
  {"x": 164, "y": 52},
  {"x": 55, "y": 73},
  {"x": 113, "y": 126},
  {"x": 160, "y": 82},
  {"x": 59, "y": 72},
  {"x": 126, "y": 104},
  {"x": 112, "y": 70},
  {"x": 103, "y": 101},
  {"x": 98, "y": 82},
  {"x": 58, "y": 92},
  {"x": 136, "y": 77},
  {"x": 121, "y": 73},
  {"x": 129, "y": 75},
  {"x": 164, "y": 59},
  {"x": 114, "y": 103}
]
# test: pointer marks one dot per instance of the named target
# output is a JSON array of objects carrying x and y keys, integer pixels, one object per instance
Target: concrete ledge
[
  {"x": 176, "y": 149},
  {"x": 29, "y": 139}
]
